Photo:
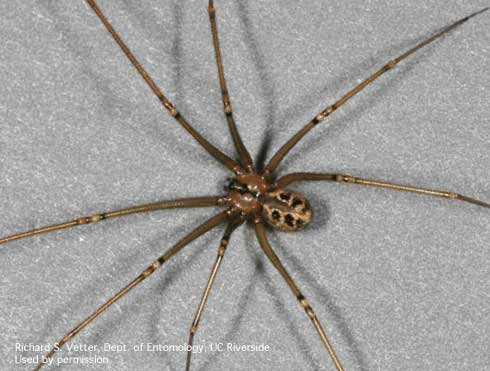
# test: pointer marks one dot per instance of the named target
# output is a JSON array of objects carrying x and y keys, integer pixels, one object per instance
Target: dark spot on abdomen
[
  {"x": 276, "y": 215},
  {"x": 296, "y": 202},
  {"x": 289, "y": 220}
]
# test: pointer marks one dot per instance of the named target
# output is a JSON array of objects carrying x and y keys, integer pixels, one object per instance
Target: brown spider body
[{"x": 250, "y": 195}]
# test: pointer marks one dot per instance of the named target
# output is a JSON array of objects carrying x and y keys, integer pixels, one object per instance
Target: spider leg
[
  {"x": 203, "y": 228},
  {"x": 245, "y": 157},
  {"x": 264, "y": 243},
  {"x": 294, "y": 177},
  {"x": 211, "y": 149},
  {"x": 221, "y": 253},
  {"x": 173, "y": 204},
  {"x": 284, "y": 150}
]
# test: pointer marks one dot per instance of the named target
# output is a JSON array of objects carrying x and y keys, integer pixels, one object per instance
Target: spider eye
[{"x": 233, "y": 185}]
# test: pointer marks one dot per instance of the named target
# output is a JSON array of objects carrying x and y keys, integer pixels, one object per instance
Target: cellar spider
[{"x": 295, "y": 221}]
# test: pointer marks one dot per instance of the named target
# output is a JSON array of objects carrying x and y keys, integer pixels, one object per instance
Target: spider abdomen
[{"x": 286, "y": 210}]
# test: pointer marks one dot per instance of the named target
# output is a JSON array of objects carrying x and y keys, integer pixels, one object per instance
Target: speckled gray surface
[{"x": 400, "y": 281}]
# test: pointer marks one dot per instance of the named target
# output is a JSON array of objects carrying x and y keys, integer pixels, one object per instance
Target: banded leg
[
  {"x": 173, "y": 204},
  {"x": 264, "y": 243},
  {"x": 284, "y": 150},
  {"x": 211, "y": 149},
  {"x": 203, "y": 228},
  {"x": 245, "y": 157},
  {"x": 294, "y": 177},
  {"x": 221, "y": 253}
]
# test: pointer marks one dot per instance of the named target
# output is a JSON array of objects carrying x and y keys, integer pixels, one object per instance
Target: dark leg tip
[{"x": 476, "y": 13}]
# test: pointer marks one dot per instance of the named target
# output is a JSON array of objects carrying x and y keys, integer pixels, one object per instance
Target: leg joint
[
  {"x": 390, "y": 65},
  {"x": 194, "y": 328},
  {"x": 345, "y": 178},
  {"x": 91, "y": 219},
  {"x": 222, "y": 248},
  {"x": 326, "y": 112},
  {"x": 152, "y": 268},
  {"x": 169, "y": 106},
  {"x": 306, "y": 306},
  {"x": 227, "y": 107}
]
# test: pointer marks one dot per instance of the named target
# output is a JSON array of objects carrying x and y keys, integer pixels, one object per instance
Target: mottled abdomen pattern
[{"x": 286, "y": 210}]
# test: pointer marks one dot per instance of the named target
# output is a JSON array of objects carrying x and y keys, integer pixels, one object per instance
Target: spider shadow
[
  {"x": 372, "y": 99},
  {"x": 334, "y": 85},
  {"x": 73, "y": 42},
  {"x": 237, "y": 320},
  {"x": 200, "y": 158},
  {"x": 111, "y": 104},
  {"x": 145, "y": 16},
  {"x": 132, "y": 308},
  {"x": 333, "y": 309},
  {"x": 321, "y": 214},
  {"x": 280, "y": 307},
  {"x": 266, "y": 86},
  {"x": 171, "y": 274}
]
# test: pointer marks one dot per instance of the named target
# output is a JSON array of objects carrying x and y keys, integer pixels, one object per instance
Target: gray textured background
[{"x": 400, "y": 281}]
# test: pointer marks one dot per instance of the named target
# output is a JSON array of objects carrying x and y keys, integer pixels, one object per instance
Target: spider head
[
  {"x": 246, "y": 192},
  {"x": 252, "y": 183},
  {"x": 286, "y": 210}
]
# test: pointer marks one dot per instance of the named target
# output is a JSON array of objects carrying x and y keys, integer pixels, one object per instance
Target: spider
[{"x": 256, "y": 195}]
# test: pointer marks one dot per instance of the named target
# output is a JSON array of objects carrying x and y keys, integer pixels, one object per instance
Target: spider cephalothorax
[{"x": 251, "y": 195}]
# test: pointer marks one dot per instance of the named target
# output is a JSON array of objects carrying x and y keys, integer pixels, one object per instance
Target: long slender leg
[
  {"x": 264, "y": 243},
  {"x": 203, "y": 228},
  {"x": 211, "y": 149},
  {"x": 221, "y": 253},
  {"x": 173, "y": 204},
  {"x": 245, "y": 157},
  {"x": 294, "y": 177},
  {"x": 283, "y": 151}
]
